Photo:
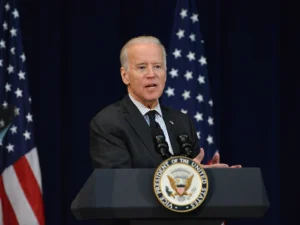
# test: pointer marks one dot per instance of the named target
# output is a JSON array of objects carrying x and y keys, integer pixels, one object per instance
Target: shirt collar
[{"x": 143, "y": 109}]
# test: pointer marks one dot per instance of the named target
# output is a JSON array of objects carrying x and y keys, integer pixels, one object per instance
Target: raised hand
[{"x": 215, "y": 161}]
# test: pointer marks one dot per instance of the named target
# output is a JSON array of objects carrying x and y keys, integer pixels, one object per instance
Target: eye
[
  {"x": 141, "y": 67},
  {"x": 157, "y": 66}
]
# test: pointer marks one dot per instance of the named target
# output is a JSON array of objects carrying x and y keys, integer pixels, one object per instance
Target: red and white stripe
[{"x": 21, "y": 201}]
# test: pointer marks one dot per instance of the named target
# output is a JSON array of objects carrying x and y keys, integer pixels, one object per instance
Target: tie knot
[{"x": 151, "y": 115}]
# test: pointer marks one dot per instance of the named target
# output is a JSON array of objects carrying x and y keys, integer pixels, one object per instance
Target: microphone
[
  {"x": 160, "y": 143},
  {"x": 185, "y": 145}
]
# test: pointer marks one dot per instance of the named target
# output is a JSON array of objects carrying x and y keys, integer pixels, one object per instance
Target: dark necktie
[{"x": 151, "y": 115}]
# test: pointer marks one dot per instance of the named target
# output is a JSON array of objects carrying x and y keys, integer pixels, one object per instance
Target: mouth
[{"x": 151, "y": 86}]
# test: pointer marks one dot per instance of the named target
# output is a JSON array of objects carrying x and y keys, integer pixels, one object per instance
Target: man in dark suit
[{"x": 120, "y": 134}]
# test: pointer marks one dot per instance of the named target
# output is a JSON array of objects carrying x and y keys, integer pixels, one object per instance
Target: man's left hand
[{"x": 215, "y": 163}]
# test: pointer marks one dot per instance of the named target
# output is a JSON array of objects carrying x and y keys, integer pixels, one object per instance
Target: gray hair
[{"x": 141, "y": 40}]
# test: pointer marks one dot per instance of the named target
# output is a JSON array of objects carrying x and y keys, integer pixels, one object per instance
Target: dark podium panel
[{"x": 128, "y": 194}]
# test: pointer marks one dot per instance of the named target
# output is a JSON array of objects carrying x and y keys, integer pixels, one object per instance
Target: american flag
[
  {"x": 187, "y": 87},
  {"x": 20, "y": 177}
]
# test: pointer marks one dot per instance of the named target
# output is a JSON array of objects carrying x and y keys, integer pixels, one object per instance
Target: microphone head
[
  {"x": 160, "y": 143},
  {"x": 182, "y": 138},
  {"x": 185, "y": 145}
]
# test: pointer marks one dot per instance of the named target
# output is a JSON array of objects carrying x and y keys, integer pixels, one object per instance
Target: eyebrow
[{"x": 143, "y": 63}]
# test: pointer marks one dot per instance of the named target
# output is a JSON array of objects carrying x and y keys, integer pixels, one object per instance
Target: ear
[{"x": 124, "y": 75}]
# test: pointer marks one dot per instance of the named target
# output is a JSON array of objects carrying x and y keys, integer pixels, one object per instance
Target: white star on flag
[
  {"x": 192, "y": 37},
  {"x": 191, "y": 56},
  {"x": 7, "y": 7},
  {"x": 198, "y": 134},
  {"x": 198, "y": 116},
  {"x": 21, "y": 75},
  {"x": 170, "y": 91},
  {"x": 184, "y": 111},
  {"x": 26, "y": 135},
  {"x": 5, "y": 104},
  {"x": 2, "y": 44},
  {"x": 17, "y": 111},
  {"x": 15, "y": 13},
  {"x": 13, "y": 129},
  {"x": 180, "y": 33},
  {"x": 201, "y": 79},
  {"x": 7, "y": 87},
  {"x": 200, "y": 98},
  {"x": 2, "y": 123},
  {"x": 210, "y": 139},
  {"x": 210, "y": 121},
  {"x": 186, "y": 94},
  {"x": 19, "y": 93},
  {"x": 202, "y": 61},
  {"x": 183, "y": 13},
  {"x": 5, "y": 27},
  {"x": 173, "y": 73},
  {"x": 10, "y": 69},
  {"x": 23, "y": 57},
  {"x": 12, "y": 50},
  {"x": 177, "y": 53},
  {"x": 188, "y": 75},
  {"x": 10, "y": 147},
  {"x": 13, "y": 32},
  {"x": 194, "y": 18},
  {"x": 29, "y": 117}
]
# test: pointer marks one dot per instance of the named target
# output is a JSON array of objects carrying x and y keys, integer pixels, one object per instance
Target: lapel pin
[{"x": 171, "y": 122}]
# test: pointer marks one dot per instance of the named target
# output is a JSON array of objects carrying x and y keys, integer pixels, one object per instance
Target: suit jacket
[{"x": 121, "y": 138}]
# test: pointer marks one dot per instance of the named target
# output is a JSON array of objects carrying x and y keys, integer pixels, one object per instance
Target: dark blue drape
[{"x": 72, "y": 52}]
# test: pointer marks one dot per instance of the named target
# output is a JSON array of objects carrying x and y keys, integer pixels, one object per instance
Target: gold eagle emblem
[{"x": 176, "y": 189}]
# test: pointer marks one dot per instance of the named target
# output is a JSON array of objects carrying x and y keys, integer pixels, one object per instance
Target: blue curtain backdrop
[{"x": 72, "y": 50}]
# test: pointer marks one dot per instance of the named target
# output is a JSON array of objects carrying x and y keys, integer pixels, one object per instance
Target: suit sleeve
[{"x": 107, "y": 149}]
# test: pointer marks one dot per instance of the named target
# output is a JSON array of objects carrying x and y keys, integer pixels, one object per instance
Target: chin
[{"x": 153, "y": 97}]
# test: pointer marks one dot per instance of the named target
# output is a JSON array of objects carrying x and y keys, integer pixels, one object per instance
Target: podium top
[{"x": 129, "y": 194}]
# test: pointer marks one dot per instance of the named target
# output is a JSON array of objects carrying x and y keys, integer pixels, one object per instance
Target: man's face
[{"x": 146, "y": 75}]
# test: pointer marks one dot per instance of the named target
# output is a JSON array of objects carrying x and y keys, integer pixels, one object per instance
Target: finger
[
  {"x": 216, "y": 158},
  {"x": 236, "y": 166},
  {"x": 200, "y": 156},
  {"x": 219, "y": 165}
]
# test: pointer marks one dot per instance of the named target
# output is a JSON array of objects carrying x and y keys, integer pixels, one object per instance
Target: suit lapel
[
  {"x": 171, "y": 127},
  {"x": 138, "y": 123}
]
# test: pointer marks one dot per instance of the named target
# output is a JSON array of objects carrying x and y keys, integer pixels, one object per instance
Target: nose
[{"x": 150, "y": 72}]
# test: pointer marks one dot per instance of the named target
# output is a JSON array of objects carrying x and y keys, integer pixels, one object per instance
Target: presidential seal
[{"x": 180, "y": 184}]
